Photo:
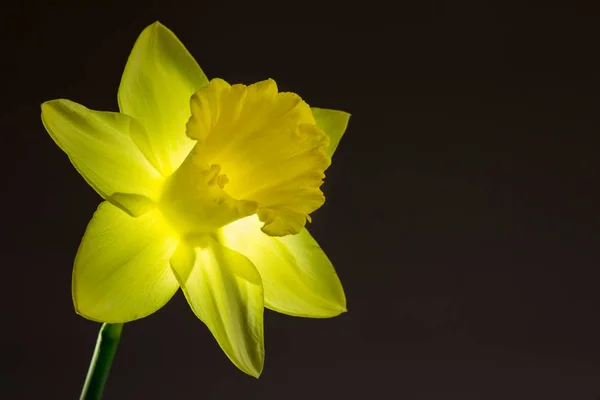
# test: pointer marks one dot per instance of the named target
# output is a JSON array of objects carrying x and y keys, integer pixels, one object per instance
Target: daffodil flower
[{"x": 207, "y": 187}]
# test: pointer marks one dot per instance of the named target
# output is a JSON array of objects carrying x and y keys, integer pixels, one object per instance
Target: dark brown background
[{"x": 462, "y": 214}]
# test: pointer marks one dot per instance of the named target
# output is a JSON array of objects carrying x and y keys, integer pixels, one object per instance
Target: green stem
[{"x": 106, "y": 347}]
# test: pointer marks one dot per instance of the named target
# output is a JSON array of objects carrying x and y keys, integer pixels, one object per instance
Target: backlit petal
[
  {"x": 101, "y": 147},
  {"x": 333, "y": 123},
  {"x": 158, "y": 81},
  {"x": 225, "y": 292},
  {"x": 297, "y": 276},
  {"x": 122, "y": 270}
]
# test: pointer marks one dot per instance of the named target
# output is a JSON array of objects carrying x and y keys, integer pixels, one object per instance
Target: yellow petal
[
  {"x": 101, "y": 147},
  {"x": 224, "y": 290},
  {"x": 158, "y": 81},
  {"x": 333, "y": 123},
  {"x": 297, "y": 276},
  {"x": 122, "y": 270},
  {"x": 268, "y": 146},
  {"x": 193, "y": 199}
]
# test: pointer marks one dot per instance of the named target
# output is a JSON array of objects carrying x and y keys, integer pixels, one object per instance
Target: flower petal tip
[
  {"x": 256, "y": 374},
  {"x": 48, "y": 105},
  {"x": 155, "y": 25},
  {"x": 339, "y": 312},
  {"x": 254, "y": 371}
]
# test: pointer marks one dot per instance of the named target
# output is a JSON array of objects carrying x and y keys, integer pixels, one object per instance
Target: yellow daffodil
[{"x": 207, "y": 188}]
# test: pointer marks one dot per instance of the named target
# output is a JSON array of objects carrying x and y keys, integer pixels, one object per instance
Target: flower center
[{"x": 193, "y": 199}]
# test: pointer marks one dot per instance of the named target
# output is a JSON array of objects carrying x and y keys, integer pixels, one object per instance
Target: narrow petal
[
  {"x": 224, "y": 290},
  {"x": 334, "y": 123},
  {"x": 297, "y": 276},
  {"x": 101, "y": 147},
  {"x": 122, "y": 270},
  {"x": 158, "y": 81}
]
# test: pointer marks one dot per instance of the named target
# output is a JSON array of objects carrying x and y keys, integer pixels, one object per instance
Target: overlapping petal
[
  {"x": 157, "y": 83},
  {"x": 101, "y": 146},
  {"x": 333, "y": 123},
  {"x": 122, "y": 271},
  {"x": 297, "y": 276},
  {"x": 224, "y": 290}
]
